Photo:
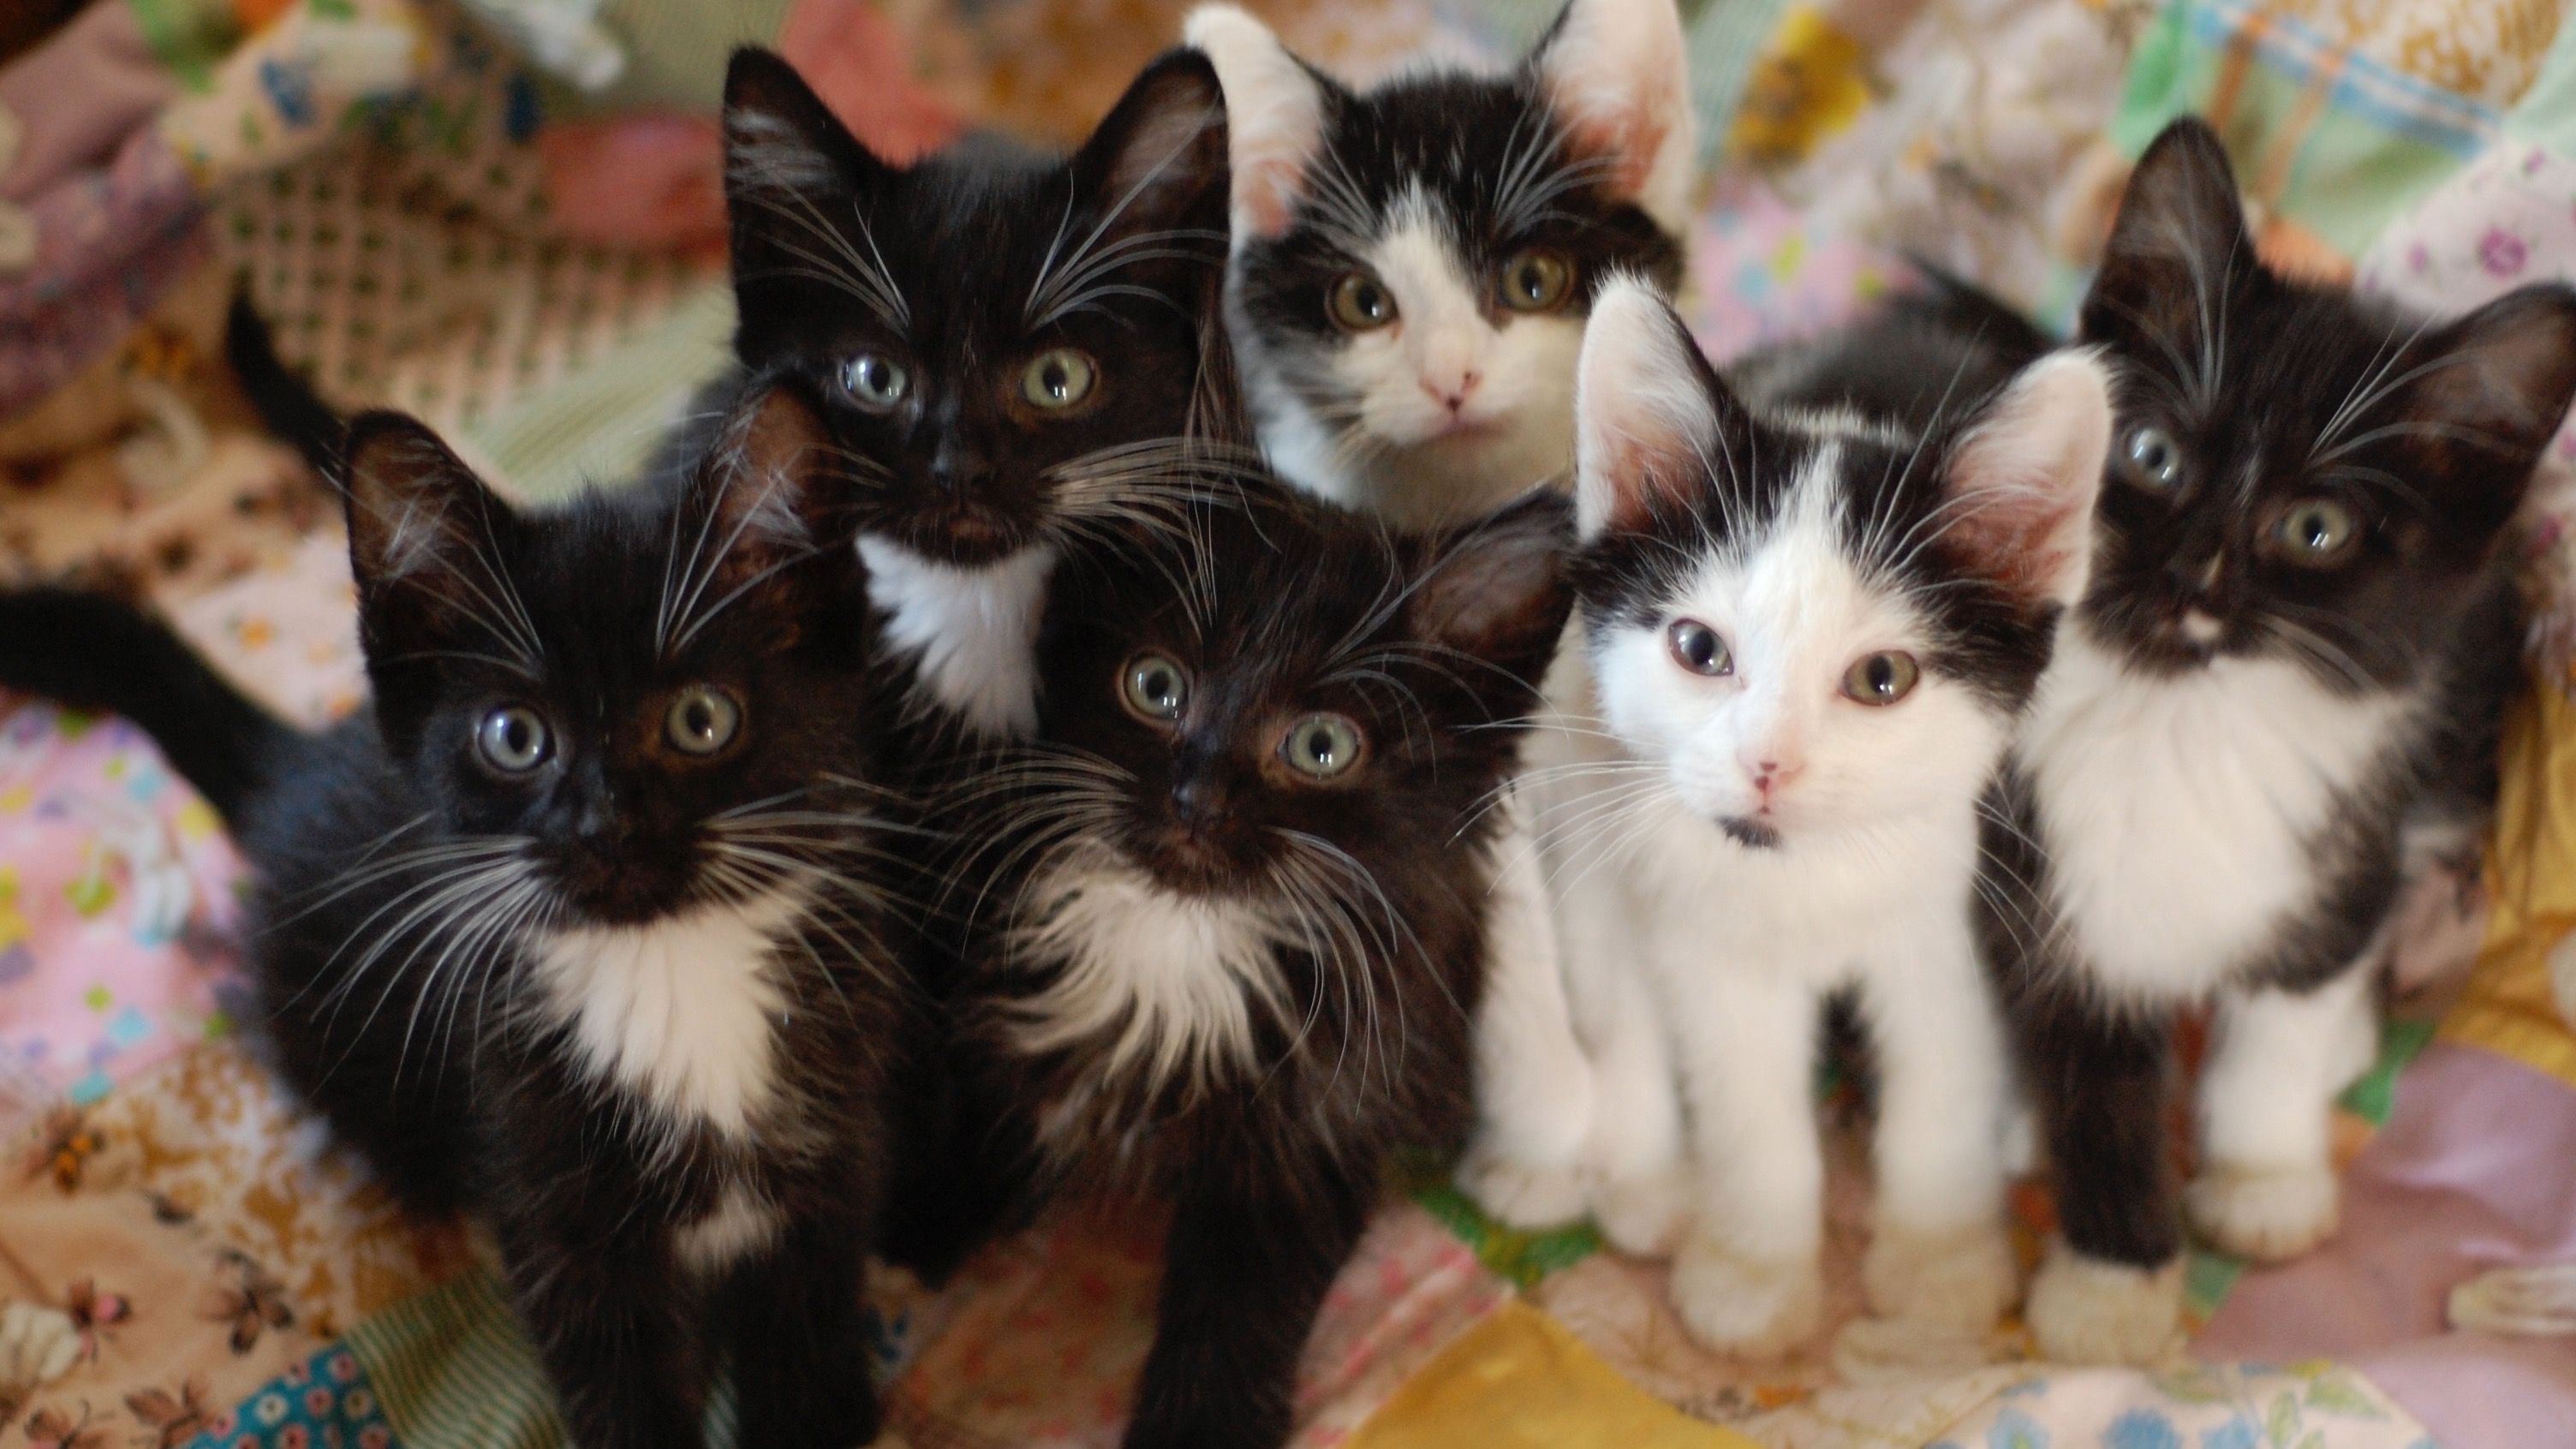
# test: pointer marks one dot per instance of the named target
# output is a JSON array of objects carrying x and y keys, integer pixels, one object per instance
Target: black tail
[
  {"x": 99, "y": 653},
  {"x": 286, "y": 402}
]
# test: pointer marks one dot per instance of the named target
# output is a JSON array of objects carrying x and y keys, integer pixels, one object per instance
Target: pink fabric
[
  {"x": 109, "y": 242},
  {"x": 647, "y": 180},
  {"x": 79, "y": 95},
  {"x": 2476, "y": 1169},
  {"x": 850, "y": 52}
]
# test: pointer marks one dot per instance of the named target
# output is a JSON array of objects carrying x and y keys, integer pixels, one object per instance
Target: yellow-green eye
[
  {"x": 2317, "y": 533},
  {"x": 1361, "y": 303},
  {"x": 514, "y": 739},
  {"x": 1878, "y": 679},
  {"x": 1057, "y": 379},
  {"x": 1321, "y": 745},
  {"x": 1697, "y": 648},
  {"x": 2151, "y": 460},
  {"x": 702, "y": 720},
  {"x": 1535, "y": 281},
  {"x": 1155, "y": 688},
  {"x": 875, "y": 381}
]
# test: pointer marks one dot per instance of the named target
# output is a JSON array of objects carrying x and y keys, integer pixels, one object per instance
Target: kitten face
[
  {"x": 2297, "y": 473},
  {"x": 604, "y": 693},
  {"x": 1414, "y": 263},
  {"x": 1288, "y": 696},
  {"x": 1815, "y": 624},
  {"x": 1008, "y": 341}
]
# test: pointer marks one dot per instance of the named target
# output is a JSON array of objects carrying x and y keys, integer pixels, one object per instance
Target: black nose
[
  {"x": 2195, "y": 574},
  {"x": 958, "y": 468}
]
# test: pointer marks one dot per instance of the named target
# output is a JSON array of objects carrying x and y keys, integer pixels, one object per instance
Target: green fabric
[
  {"x": 188, "y": 36},
  {"x": 1724, "y": 39},
  {"x": 671, "y": 65},
  {"x": 2546, "y": 114},
  {"x": 601, "y": 423}
]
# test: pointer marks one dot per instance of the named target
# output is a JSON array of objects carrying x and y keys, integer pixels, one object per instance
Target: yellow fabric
[
  {"x": 1810, "y": 83},
  {"x": 1520, "y": 1380},
  {"x": 2531, "y": 878}
]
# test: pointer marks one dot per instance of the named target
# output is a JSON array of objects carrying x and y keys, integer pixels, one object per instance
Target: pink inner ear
[
  {"x": 1628, "y": 137},
  {"x": 1264, "y": 194},
  {"x": 2017, "y": 538}
]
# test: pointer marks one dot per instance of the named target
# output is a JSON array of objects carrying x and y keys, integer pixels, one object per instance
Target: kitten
[
  {"x": 2278, "y": 696},
  {"x": 1413, "y": 263},
  {"x": 1805, "y": 639},
  {"x": 575, "y": 926},
  {"x": 1021, "y": 349},
  {"x": 1233, "y": 950}
]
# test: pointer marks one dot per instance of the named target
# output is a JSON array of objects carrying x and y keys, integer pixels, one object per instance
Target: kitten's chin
[
  {"x": 1750, "y": 832},
  {"x": 962, "y": 537}
]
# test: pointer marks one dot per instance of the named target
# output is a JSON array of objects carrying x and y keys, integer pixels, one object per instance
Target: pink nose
[
  {"x": 1452, "y": 394},
  {"x": 1770, "y": 775}
]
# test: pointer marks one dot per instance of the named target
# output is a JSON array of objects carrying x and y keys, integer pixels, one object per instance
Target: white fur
[
  {"x": 1533, "y": 1082},
  {"x": 1274, "y": 115},
  {"x": 2177, "y": 811},
  {"x": 678, "y": 1012},
  {"x": 2083, "y": 1310},
  {"x": 1638, "y": 400},
  {"x": 967, "y": 631},
  {"x": 739, "y": 1225},
  {"x": 1171, "y": 981},
  {"x": 2266, "y": 1188}
]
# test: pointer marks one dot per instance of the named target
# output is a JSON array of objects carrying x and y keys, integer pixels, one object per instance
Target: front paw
[
  {"x": 2088, "y": 1311},
  {"x": 1755, "y": 1307},
  {"x": 1520, "y": 1194},
  {"x": 1952, "y": 1280},
  {"x": 1642, "y": 1215},
  {"x": 2264, "y": 1213}
]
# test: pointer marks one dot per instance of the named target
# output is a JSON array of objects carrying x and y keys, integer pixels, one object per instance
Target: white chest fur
[
  {"x": 679, "y": 1012},
  {"x": 2178, "y": 813},
  {"x": 967, "y": 631},
  {"x": 1169, "y": 983}
]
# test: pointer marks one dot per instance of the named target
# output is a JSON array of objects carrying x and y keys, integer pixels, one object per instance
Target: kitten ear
[
  {"x": 766, "y": 501},
  {"x": 2497, "y": 383},
  {"x": 1158, "y": 162},
  {"x": 1617, "y": 77},
  {"x": 789, "y": 164},
  {"x": 422, "y": 529},
  {"x": 2023, "y": 480},
  {"x": 2178, "y": 243},
  {"x": 1495, "y": 590},
  {"x": 1274, "y": 109},
  {"x": 1649, "y": 413}
]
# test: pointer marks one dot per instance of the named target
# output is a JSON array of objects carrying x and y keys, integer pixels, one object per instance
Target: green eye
[
  {"x": 2317, "y": 533},
  {"x": 1697, "y": 648},
  {"x": 2151, "y": 460},
  {"x": 1058, "y": 379},
  {"x": 1155, "y": 688},
  {"x": 1881, "y": 679},
  {"x": 1360, "y": 302},
  {"x": 875, "y": 381},
  {"x": 1535, "y": 281},
  {"x": 1321, "y": 745},
  {"x": 702, "y": 720},
  {"x": 513, "y": 739}
]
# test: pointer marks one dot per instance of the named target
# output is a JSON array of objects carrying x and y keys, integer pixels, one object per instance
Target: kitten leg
[
  {"x": 802, "y": 1359},
  {"x": 1748, "y": 1278},
  {"x": 2110, "y": 1290},
  {"x": 1250, "y": 1256},
  {"x": 1632, "y": 1155},
  {"x": 2266, "y": 1188},
  {"x": 606, "y": 1312},
  {"x": 1533, "y": 1082},
  {"x": 1939, "y": 1257}
]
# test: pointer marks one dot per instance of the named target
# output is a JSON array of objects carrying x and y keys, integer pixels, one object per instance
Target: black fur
[
  {"x": 1920, "y": 358},
  {"x": 1275, "y": 608},
  {"x": 2272, "y": 392},
  {"x": 404, "y": 885},
  {"x": 284, "y": 400}
]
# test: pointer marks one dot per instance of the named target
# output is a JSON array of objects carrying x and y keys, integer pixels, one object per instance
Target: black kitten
[
  {"x": 1237, "y": 934},
  {"x": 1021, "y": 348},
  {"x": 576, "y": 926},
  {"x": 2278, "y": 696}
]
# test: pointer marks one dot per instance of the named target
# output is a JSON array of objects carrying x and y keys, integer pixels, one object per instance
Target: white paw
[
  {"x": 1957, "y": 1280},
  {"x": 2263, "y": 1213},
  {"x": 1760, "y": 1308},
  {"x": 1642, "y": 1215},
  {"x": 1519, "y": 1194},
  {"x": 2083, "y": 1310},
  {"x": 1869, "y": 1350}
]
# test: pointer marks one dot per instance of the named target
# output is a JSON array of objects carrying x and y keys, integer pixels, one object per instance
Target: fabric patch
[{"x": 324, "y": 1402}]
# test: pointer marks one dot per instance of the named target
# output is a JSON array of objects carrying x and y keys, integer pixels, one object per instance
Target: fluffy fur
[
  {"x": 1208, "y": 974},
  {"x": 1432, "y": 187},
  {"x": 1734, "y": 837},
  {"x": 577, "y": 926},
  {"x": 2247, "y": 738}
]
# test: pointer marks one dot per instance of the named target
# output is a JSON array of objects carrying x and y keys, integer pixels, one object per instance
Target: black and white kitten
[
  {"x": 2279, "y": 694},
  {"x": 1413, "y": 263},
  {"x": 1019, "y": 348},
  {"x": 1239, "y": 934},
  {"x": 575, "y": 927}
]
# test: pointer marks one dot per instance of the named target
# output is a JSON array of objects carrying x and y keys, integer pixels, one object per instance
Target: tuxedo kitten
[
  {"x": 1020, "y": 349},
  {"x": 2279, "y": 693},
  {"x": 1806, "y": 636},
  {"x": 1413, "y": 263},
  {"x": 1233, "y": 951},
  {"x": 575, "y": 927}
]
